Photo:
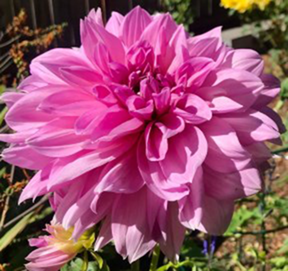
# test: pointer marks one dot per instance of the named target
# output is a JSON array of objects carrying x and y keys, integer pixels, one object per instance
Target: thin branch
[
  {"x": 261, "y": 231},
  {"x": 4, "y": 55},
  {"x": 6, "y": 66},
  {"x": 32, "y": 208},
  {"x": 5, "y": 61},
  {"x": 4, "y": 44},
  {"x": 4, "y": 212},
  {"x": 6, "y": 206},
  {"x": 283, "y": 149}
]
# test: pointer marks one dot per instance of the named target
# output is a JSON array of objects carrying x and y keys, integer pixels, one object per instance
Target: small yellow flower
[
  {"x": 62, "y": 239},
  {"x": 244, "y": 5}
]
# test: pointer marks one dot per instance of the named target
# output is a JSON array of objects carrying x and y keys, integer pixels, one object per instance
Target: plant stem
[
  {"x": 85, "y": 261},
  {"x": 135, "y": 266},
  {"x": 6, "y": 206},
  {"x": 155, "y": 258}
]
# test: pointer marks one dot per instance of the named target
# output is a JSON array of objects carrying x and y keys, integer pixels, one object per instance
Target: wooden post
[{"x": 33, "y": 14}]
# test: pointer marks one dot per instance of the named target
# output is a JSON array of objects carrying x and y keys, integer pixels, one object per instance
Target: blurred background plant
[
  {"x": 267, "y": 20},
  {"x": 181, "y": 10},
  {"x": 19, "y": 44},
  {"x": 257, "y": 238}
]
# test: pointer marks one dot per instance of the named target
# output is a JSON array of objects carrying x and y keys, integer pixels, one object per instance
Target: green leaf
[
  {"x": 279, "y": 262},
  {"x": 240, "y": 218},
  {"x": 77, "y": 265},
  {"x": 12, "y": 233},
  {"x": 98, "y": 259},
  {"x": 284, "y": 89},
  {"x": 2, "y": 171},
  {"x": 284, "y": 248},
  {"x": 2, "y": 114},
  {"x": 165, "y": 267},
  {"x": 2, "y": 89}
]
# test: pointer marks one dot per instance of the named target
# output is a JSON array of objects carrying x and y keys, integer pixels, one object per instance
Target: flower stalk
[{"x": 155, "y": 259}]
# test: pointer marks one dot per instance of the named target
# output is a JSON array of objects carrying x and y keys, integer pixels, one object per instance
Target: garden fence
[{"x": 42, "y": 13}]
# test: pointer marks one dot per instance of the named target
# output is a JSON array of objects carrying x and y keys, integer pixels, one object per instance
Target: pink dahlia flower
[
  {"x": 55, "y": 250},
  {"x": 144, "y": 129}
]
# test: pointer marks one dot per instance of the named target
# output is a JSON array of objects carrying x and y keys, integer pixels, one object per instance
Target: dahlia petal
[
  {"x": 232, "y": 186},
  {"x": 178, "y": 40},
  {"x": 164, "y": 54},
  {"x": 114, "y": 23},
  {"x": 193, "y": 109},
  {"x": 244, "y": 59},
  {"x": 26, "y": 157},
  {"x": 275, "y": 117},
  {"x": 93, "y": 34},
  {"x": 105, "y": 234},
  {"x": 129, "y": 228},
  {"x": 222, "y": 104},
  {"x": 171, "y": 125},
  {"x": 185, "y": 149},
  {"x": 31, "y": 83},
  {"x": 86, "y": 123},
  {"x": 44, "y": 66},
  {"x": 193, "y": 72},
  {"x": 127, "y": 128},
  {"x": 208, "y": 45},
  {"x": 241, "y": 86},
  {"x": 74, "y": 192},
  {"x": 156, "y": 143},
  {"x": 80, "y": 76},
  {"x": 225, "y": 153},
  {"x": 37, "y": 185},
  {"x": 19, "y": 137},
  {"x": 85, "y": 222},
  {"x": 259, "y": 151},
  {"x": 37, "y": 242},
  {"x": 116, "y": 123},
  {"x": 91, "y": 160},
  {"x": 80, "y": 215},
  {"x": 161, "y": 21},
  {"x": 104, "y": 94},
  {"x": 140, "y": 108},
  {"x": 22, "y": 115},
  {"x": 270, "y": 91},
  {"x": 162, "y": 100},
  {"x": 121, "y": 175},
  {"x": 190, "y": 207},
  {"x": 175, "y": 233},
  {"x": 133, "y": 25},
  {"x": 68, "y": 103},
  {"x": 43, "y": 251},
  {"x": 153, "y": 176},
  {"x": 57, "y": 139},
  {"x": 253, "y": 126},
  {"x": 217, "y": 215},
  {"x": 123, "y": 93},
  {"x": 10, "y": 98},
  {"x": 95, "y": 16}
]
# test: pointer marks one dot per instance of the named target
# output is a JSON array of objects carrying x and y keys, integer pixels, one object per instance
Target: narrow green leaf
[
  {"x": 2, "y": 115},
  {"x": 98, "y": 259},
  {"x": 12, "y": 233},
  {"x": 165, "y": 267}
]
